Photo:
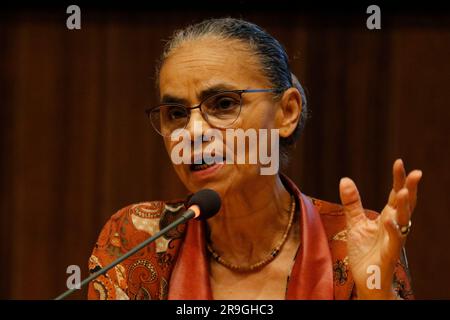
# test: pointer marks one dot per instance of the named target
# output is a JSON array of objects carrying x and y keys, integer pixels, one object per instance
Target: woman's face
[{"x": 208, "y": 65}]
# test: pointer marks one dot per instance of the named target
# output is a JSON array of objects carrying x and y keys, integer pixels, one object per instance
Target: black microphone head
[{"x": 208, "y": 201}]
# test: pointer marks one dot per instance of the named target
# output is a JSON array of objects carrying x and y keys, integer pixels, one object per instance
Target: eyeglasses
[{"x": 219, "y": 110}]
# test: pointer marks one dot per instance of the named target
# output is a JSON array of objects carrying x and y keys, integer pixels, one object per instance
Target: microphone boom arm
[{"x": 189, "y": 214}]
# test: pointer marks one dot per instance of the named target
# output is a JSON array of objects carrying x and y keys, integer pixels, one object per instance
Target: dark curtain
[{"x": 75, "y": 144}]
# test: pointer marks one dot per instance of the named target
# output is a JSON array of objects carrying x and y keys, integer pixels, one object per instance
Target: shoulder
[
  {"x": 139, "y": 220},
  {"x": 334, "y": 222},
  {"x": 124, "y": 230}
]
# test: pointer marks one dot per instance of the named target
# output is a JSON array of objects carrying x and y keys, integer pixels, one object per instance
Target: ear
[{"x": 289, "y": 112}]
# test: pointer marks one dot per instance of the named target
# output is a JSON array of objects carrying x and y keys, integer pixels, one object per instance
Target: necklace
[{"x": 266, "y": 260}]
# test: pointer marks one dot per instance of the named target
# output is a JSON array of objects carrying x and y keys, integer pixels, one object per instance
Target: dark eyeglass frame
[{"x": 148, "y": 111}]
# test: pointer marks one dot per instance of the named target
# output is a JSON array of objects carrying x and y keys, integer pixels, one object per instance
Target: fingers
[
  {"x": 394, "y": 219},
  {"x": 403, "y": 208},
  {"x": 350, "y": 199},
  {"x": 402, "y": 200},
  {"x": 400, "y": 180},
  {"x": 399, "y": 175},
  {"x": 412, "y": 184}
]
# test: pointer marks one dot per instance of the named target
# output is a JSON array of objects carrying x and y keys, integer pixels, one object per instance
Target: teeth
[{"x": 198, "y": 167}]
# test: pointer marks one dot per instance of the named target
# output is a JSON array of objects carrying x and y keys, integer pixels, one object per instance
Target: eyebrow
[{"x": 168, "y": 98}]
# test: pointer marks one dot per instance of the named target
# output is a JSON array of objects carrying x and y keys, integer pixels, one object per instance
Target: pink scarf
[{"x": 311, "y": 276}]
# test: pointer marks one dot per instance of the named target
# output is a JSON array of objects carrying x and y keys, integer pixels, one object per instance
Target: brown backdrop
[{"x": 76, "y": 146}]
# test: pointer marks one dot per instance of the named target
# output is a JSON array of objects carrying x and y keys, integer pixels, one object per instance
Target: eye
[
  {"x": 174, "y": 113},
  {"x": 224, "y": 103}
]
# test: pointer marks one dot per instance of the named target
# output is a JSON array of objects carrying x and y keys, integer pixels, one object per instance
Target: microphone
[{"x": 203, "y": 205}]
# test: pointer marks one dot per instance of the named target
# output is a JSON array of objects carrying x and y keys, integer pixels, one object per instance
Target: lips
[
  {"x": 204, "y": 165},
  {"x": 199, "y": 167}
]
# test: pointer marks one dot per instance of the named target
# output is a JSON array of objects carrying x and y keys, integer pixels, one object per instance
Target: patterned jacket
[{"x": 163, "y": 270}]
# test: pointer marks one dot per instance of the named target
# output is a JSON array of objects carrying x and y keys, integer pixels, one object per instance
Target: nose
[{"x": 197, "y": 125}]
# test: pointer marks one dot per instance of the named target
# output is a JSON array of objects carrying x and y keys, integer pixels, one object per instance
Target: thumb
[{"x": 350, "y": 198}]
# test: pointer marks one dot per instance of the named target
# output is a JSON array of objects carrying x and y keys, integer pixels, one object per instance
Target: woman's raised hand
[{"x": 375, "y": 245}]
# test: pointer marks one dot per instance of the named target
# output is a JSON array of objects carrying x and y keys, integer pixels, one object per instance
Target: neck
[{"x": 251, "y": 222}]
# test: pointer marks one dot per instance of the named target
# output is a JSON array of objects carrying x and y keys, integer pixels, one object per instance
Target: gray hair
[{"x": 271, "y": 54}]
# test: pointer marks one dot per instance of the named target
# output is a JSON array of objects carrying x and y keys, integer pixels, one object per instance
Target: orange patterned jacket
[{"x": 175, "y": 266}]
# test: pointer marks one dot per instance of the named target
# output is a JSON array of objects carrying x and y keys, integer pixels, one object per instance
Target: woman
[{"x": 269, "y": 241}]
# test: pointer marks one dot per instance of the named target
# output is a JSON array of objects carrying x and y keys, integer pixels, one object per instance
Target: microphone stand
[{"x": 189, "y": 214}]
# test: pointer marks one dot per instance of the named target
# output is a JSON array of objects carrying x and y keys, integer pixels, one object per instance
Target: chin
[
  {"x": 218, "y": 186},
  {"x": 223, "y": 180}
]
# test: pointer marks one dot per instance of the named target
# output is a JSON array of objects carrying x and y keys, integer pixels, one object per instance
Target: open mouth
[
  {"x": 204, "y": 165},
  {"x": 198, "y": 167}
]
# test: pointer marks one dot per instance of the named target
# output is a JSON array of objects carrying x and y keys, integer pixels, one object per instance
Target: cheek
[
  {"x": 259, "y": 116},
  {"x": 168, "y": 144},
  {"x": 169, "y": 147}
]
